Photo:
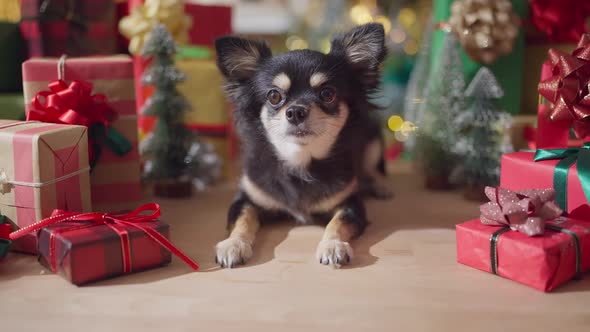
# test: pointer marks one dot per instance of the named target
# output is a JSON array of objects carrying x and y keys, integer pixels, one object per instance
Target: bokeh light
[
  {"x": 398, "y": 36},
  {"x": 406, "y": 17},
  {"x": 295, "y": 43},
  {"x": 394, "y": 123},
  {"x": 385, "y": 22},
  {"x": 411, "y": 47},
  {"x": 360, "y": 14}
]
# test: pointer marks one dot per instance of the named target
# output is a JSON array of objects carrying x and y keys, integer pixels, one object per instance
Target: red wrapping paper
[
  {"x": 541, "y": 262},
  {"x": 91, "y": 254},
  {"x": 540, "y": 175}
]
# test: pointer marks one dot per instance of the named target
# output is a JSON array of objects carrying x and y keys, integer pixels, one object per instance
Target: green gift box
[
  {"x": 508, "y": 69},
  {"x": 12, "y": 106},
  {"x": 11, "y": 58}
]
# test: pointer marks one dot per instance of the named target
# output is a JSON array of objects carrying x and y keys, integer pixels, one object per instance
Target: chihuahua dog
[{"x": 311, "y": 145}]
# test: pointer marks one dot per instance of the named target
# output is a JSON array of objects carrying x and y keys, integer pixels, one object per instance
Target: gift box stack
[
  {"x": 195, "y": 27},
  {"x": 536, "y": 227},
  {"x": 77, "y": 156}
]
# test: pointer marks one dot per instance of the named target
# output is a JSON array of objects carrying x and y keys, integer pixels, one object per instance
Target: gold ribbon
[
  {"x": 486, "y": 29},
  {"x": 143, "y": 18}
]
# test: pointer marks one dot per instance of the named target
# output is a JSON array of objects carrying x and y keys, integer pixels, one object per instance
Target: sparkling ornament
[{"x": 486, "y": 29}]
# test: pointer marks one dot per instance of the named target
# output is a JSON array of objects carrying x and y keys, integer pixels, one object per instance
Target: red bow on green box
[{"x": 75, "y": 104}]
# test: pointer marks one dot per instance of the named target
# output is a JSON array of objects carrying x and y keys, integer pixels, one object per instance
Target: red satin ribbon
[
  {"x": 117, "y": 222},
  {"x": 560, "y": 20},
  {"x": 72, "y": 104},
  {"x": 567, "y": 88}
]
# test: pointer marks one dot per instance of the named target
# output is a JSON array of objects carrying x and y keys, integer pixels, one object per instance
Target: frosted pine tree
[
  {"x": 172, "y": 151},
  {"x": 443, "y": 102},
  {"x": 484, "y": 134},
  {"x": 413, "y": 101}
]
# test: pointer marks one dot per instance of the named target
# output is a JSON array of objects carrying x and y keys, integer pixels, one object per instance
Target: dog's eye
[
  {"x": 274, "y": 97},
  {"x": 328, "y": 94}
]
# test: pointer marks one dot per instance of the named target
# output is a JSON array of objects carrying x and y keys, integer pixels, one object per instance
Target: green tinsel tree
[{"x": 443, "y": 102}]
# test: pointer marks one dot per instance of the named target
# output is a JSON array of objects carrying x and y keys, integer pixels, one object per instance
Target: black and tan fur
[{"x": 310, "y": 143}]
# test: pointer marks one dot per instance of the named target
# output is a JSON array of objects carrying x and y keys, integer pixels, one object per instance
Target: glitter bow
[
  {"x": 567, "y": 89},
  {"x": 143, "y": 18},
  {"x": 560, "y": 20},
  {"x": 486, "y": 29},
  {"x": 524, "y": 211}
]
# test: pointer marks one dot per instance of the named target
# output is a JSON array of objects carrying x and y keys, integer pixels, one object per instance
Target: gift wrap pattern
[
  {"x": 44, "y": 166},
  {"x": 83, "y": 255},
  {"x": 115, "y": 180}
]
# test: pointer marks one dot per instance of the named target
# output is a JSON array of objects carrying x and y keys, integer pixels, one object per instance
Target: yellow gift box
[{"x": 203, "y": 89}]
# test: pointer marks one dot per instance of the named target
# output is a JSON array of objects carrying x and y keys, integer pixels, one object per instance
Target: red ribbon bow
[
  {"x": 560, "y": 20},
  {"x": 525, "y": 211},
  {"x": 116, "y": 222},
  {"x": 567, "y": 88},
  {"x": 72, "y": 104}
]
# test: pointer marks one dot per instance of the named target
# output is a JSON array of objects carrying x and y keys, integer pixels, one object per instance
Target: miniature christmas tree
[
  {"x": 443, "y": 102},
  {"x": 484, "y": 135},
  {"x": 413, "y": 101},
  {"x": 171, "y": 150}
]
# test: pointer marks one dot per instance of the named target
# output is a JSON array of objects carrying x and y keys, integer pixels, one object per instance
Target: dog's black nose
[{"x": 296, "y": 114}]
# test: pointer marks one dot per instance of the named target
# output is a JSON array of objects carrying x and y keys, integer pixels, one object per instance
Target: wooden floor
[{"x": 404, "y": 278}]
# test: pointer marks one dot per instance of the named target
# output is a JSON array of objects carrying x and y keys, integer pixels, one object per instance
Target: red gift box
[
  {"x": 76, "y": 28},
  {"x": 86, "y": 247},
  {"x": 540, "y": 174},
  {"x": 541, "y": 262}
]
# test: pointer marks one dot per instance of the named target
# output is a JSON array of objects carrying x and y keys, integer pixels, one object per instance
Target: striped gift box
[
  {"x": 115, "y": 180},
  {"x": 44, "y": 166}
]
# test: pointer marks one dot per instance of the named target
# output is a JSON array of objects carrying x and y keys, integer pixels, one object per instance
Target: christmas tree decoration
[
  {"x": 171, "y": 149},
  {"x": 144, "y": 17},
  {"x": 486, "y": 29},
  {"x": 437, "y": 131},
  {"x": 507, "y": 68},
  {"x": 414, "y": 98},
  {"x": 483, "y": 138}
]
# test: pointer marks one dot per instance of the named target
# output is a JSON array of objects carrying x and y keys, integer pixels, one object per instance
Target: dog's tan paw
[
  {"x": 334, "y": 252},
  {"x": 232, "y": 252}
]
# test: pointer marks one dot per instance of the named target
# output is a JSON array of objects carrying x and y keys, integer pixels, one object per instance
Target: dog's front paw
[
  {"x": 232, "y": 252},
  {"x": 334, "y": 252}
]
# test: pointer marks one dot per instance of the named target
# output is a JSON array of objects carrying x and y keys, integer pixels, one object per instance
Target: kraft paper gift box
[
  {"x": 115, "y": 180},
  {"x": 543, "y": 262},
  {"x": 74, "y": 27},
  {"x": 44, "y": 166}
]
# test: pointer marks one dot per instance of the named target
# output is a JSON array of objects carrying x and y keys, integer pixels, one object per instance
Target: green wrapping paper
[
  {"x": 507, "y": 69},
  {"x": 11, "y": 57},
  {"x": 12, "y": 106}
]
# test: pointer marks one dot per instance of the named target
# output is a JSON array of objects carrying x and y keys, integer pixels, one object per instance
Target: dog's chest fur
[{"x": 318, "y": 188}]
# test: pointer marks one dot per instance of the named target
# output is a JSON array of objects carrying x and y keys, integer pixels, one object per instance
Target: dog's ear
[
  {"x": 238, "y": 58},
  {"x": 364, "y": 49}
]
